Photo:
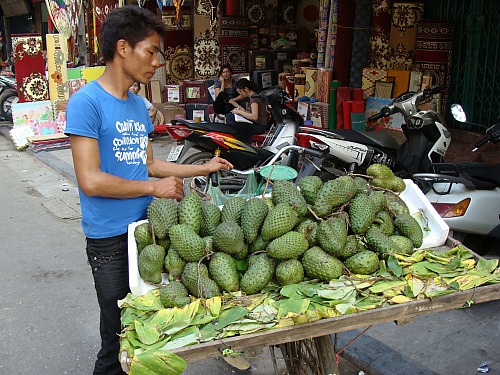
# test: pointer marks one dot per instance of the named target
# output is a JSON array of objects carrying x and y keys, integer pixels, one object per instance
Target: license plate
[{"x": 175, "y": 153}]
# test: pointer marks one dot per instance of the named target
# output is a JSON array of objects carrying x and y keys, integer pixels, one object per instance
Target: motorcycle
[
  {"x": 427, "y": 140},
  {"x": 230, "y": 142},
  {"x": 8, "y": 96},
  {"x": 467, "y": 196}
]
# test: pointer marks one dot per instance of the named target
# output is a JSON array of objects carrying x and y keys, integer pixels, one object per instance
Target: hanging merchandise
[
  {"x": 360, "y": 41},
  {"x": 162, "y": 3},
  {"x": 60, "y": 17},
  {"x": 323, "y": 31},
  {"x": 380, "y": 31},
  {"x": 103, "y": 7}
]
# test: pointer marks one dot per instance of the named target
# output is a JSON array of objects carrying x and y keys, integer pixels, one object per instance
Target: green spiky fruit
[
  {"x": 379, "y": 242},
  {"x": 290, "y": 271},
  {"x": 252, "y": 218},
  {"x": 361, "y": 214},
  {"x": 260, "y": 272},
  {"x": 288, "y": 246},
  {"x": 174, "y": 294},
  {"x": 332, "y": 235},
  {"x": 210, "y": 218},
  {"x": 381, "y": 171},
  {"x": 404, "y": 244},
  {"x": 258, "y": 245},
  {"x": 189, "y": 210},
  {"x": 409, "y": 227},
  {"x": 318, "y": 264},
  {"x": 286, "y": 192},
  {"x": 309, "y": 187},
  {"x": 196, "y": 278},
  {"x": 174, "y": 264},
  {"x": 334, "y": 193},
  {"x": 142, "y": 236},
  {"x": 228, "y": 237},
  {"x": 353, "y": 245},
  {"x": 162, "y": 214},
  {"x": 232, "y": 210},
  {"x": 279, "y": 220},
  {"x": 383, "y": 221},
  {"x": 378, "y": 200},
  {"x": 188, "y": 244},
  {"x": 365, "y": 262},
  {"x": 395, "y": 205},
  {"x": 362, "y": 186},
  {"x": 150, "y": 263},
  {"x": 396, "y": 184},
  {"x": 222, "y": 269},
  {"x": 309, "y": 229}
]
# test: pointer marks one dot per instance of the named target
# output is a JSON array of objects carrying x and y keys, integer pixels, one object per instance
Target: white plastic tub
[
  {"x": 416, "y": 201},
  {"x": 137, "y": 285}
]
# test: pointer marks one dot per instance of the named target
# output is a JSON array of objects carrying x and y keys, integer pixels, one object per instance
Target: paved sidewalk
[{"x": 453, "y": 342}]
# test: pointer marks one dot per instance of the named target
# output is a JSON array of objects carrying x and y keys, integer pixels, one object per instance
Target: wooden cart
[{"x": 315, "y": 339}]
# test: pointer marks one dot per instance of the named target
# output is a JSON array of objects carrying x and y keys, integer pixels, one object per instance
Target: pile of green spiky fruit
[{"x": 319, "y": 231}]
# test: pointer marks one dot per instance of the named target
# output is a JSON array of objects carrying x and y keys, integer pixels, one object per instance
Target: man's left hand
[{"x": 216, "y": 164}]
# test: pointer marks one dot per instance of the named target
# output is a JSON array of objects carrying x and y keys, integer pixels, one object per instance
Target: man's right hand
[{"x": 169, "y": 187}]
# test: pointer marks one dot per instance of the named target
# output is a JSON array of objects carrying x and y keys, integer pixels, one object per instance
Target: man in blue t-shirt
[{"x": 113, "y": 159}]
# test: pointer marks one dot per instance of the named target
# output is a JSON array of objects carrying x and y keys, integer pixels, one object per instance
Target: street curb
[
  {"x": 65, "y": 169},
  {"x": 376, "y": 358}
]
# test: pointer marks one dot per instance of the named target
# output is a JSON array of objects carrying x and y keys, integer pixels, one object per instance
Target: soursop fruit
[
  {"x": 362, "y": 186},
  {"x": 365, "y": 262},
  {"x": 195, "y": 277},
  {"x": 353, "y": 245},
  {"x": 252, "y": 218},
  {"x": 309, "y": 229},
  {"x": 318, "y": 264},
  {"x": 232, "y": 210},
  {"x": 379, "y": 242},
  {"x": 334, "y": 193},
  {"x": 188, "y": 244},
  {"x": 210, "y": 218},
  {"x": 378, "y": 200},
  {"x": 258, "y": 245},
  {"x": 279, "y": 220},
  {"x": 309, "y": 187},
  {"x": 289, "y": 271},
  {"x": 189, "y": 211},
  {"x": 383, "y": 221},
  {"x": 286, "y": 192},
  {"x": 174, "y": 294},
  {"x": 229, "y": 238},
  {"x": 260, "y": 272},
  {"x": 288, "y": 246},
  {"x": 150, "y": 263},
  {"x": 332, "y": 235},
  {"x": 404, "y": 244},
  {"x": 381, "y": 171},
  {"x": 409, "y": 227},
  {"x": 142, "y": 236},
  {"x": 222, "y": 269},
  {"x": 162, "y": 214},
  {"x": 395, "y": 205},
  {"x": 361, "y": 214},
  {"x": 174, "y": 264},
  {"x": 396, "y": 184}
]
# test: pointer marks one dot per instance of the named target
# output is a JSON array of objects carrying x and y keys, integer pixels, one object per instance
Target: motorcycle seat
[
  {"x": 373, "y": 138},
  {"x": 482, "y": 176},
  {"x": 242, "y": 133}
]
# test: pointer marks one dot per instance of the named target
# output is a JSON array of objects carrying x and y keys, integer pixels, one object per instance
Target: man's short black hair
[{"x": 131, "y": 23}]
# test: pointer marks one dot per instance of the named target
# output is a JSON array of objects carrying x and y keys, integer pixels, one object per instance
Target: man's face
[{"x": 142, "y": 61}]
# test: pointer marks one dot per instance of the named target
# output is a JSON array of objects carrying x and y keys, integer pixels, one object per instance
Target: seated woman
[
  {"x": 225, "y": 89},
  {"x": 256, "y": 111},
  {"x": 152, "y": 110}
]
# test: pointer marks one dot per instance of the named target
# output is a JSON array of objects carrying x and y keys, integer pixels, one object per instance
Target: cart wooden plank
[{"x": 341, "y": 323}]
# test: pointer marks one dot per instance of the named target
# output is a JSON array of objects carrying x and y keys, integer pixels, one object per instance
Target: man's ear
[{"x": 121, "y": 47}]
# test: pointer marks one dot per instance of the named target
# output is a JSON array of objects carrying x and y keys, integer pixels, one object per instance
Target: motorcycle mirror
[{"x": 458, "y": 113}]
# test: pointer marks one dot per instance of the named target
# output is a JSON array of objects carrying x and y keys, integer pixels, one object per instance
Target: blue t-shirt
[{"x": 121, "y": 128}]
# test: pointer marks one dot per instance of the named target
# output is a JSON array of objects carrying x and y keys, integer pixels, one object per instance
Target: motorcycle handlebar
[
  {"x": 428, "y": 92},
  {"x": 384, "y": 112}
]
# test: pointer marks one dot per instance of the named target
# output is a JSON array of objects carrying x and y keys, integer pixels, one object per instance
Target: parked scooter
[
  {"x": 467, "y": 196},
  {"x": 209, "y": 139},
  {"x": 427, "y": 140},
  {"x": 8, "y": 96}
]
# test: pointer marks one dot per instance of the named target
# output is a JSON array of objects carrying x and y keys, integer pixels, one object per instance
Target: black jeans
[{"x": 108, "y": 258}]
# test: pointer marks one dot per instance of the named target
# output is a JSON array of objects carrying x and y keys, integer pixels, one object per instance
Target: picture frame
[{"x": 383, "y": 89}]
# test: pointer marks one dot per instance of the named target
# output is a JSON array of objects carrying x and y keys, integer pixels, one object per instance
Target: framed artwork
[{"x": 383, "y": 89}]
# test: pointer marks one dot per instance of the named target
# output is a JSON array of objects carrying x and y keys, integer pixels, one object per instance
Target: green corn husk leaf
[
  {"x": 146, "y": 302},
  {"x": 380, "y": 286},
  {"x": 147, "y": 333},
  {"x": 486, "y": 265},
  {"x": 290, "y": 307},
  {"x": 159, "y": 362},
  {"x": 188, "y": 336},
  {"x": 394, "y": 266}
]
